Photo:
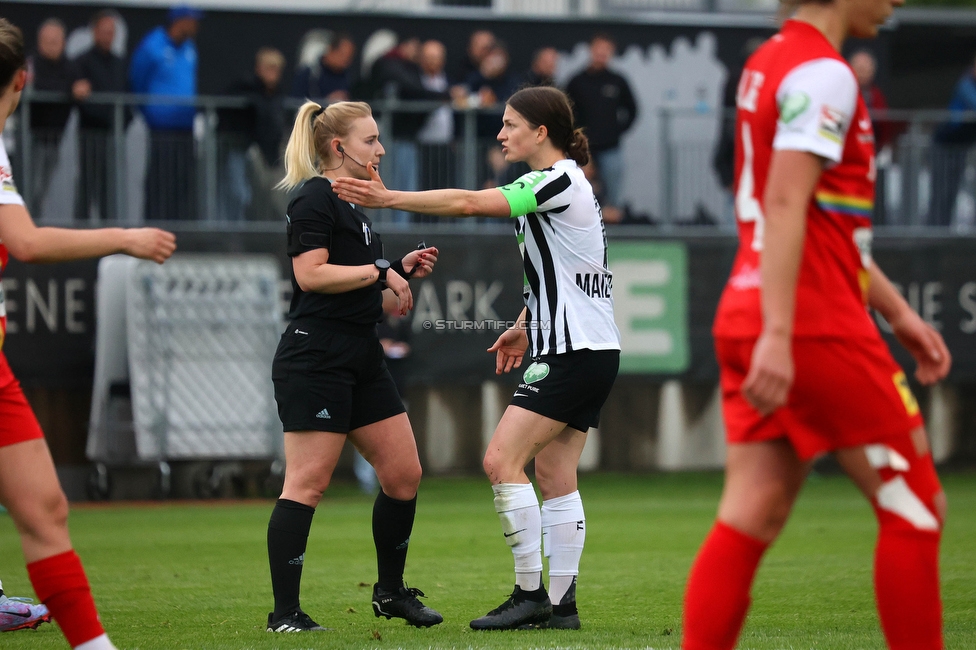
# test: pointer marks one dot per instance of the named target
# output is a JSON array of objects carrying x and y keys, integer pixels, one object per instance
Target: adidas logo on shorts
[{"x": 323, "y": 415}]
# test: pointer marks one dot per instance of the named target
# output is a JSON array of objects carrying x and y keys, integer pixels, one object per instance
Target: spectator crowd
[
  {"x": 331, "y": 66},
  {"x": 251, "y": 132}
]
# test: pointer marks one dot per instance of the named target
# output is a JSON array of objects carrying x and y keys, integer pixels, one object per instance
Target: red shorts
[
  {"x": 846, "y": 393},
  {"x": 17, "y": 420}
]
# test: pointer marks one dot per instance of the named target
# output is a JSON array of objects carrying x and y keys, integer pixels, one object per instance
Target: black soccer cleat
[
  {"x": 564, "y": 616},
  {"x": 403, "y": 603},
  {"x": 523, "y": 610},
  {"x": 297, "y": 621}
]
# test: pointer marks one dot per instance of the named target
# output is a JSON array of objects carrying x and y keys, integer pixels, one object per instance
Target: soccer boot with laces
[
  {"x": 522, "y": 610},
  {"x": 297, "y": 621},
  {"x": 403, "y": 603},
  {"x": 21, "y": 614}
]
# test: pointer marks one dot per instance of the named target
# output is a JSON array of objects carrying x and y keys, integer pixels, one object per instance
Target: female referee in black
[{"x": 329, "y": 373}]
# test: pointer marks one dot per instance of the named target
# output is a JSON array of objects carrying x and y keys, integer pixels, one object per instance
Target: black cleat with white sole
[
  {"x": 297, "y": 621},
  {"x": 403, "y": 603},
  {"x": 523, "y": 610}
]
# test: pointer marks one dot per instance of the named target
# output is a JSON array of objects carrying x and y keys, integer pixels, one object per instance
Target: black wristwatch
[{"x": 383, "y": 266}]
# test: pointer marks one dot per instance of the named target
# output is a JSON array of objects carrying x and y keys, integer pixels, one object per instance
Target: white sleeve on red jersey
[
  {"x": 816, "y": 103},
  {"x": 8, "y": 191}
]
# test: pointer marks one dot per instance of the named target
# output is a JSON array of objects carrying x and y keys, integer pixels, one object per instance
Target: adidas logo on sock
[
  {"x": 402, "y": 545},
  {"x": 323, "y": 415},
  {"x": 300, "y": 560}
]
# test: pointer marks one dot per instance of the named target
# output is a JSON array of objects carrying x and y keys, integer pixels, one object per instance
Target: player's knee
[
  {"x": 306, "y": 488},
  {"x": 494, "y": 465},
  {"x": 761, "y": 514},
  {"x": 910, "y": 496},
  {"x": 402, "y": 481},
  {"x": 44, "y": 517}
]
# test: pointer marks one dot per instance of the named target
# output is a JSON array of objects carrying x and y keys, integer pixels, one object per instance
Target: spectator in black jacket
[
  {"x": 605, "y": 108},
  {"x": 97, "y": 70},
  {"x": 543, "y": 69},
  {"x": 251, "y": 140},
  {"x": 49, "y": 71},
  {"x": 480, "y": 43},
  {"x": 397, "y": 75},
  {"x": 330, "y": 79}
]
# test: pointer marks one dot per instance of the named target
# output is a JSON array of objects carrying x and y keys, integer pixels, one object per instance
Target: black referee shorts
[
  {"x": 332, "y": 376},
  {"x": 570, "y": 387}
]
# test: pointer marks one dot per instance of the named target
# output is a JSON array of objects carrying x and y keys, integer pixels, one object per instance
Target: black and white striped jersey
[{"x": 568, "y": 285}]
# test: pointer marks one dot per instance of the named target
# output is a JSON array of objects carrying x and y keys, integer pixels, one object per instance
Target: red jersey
[
  {"x": 797, "y": 93},
  {"x": 8, "y": 196}
]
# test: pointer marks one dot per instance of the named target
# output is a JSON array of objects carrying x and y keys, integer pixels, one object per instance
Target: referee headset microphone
[{"x": 341, "y": 150}]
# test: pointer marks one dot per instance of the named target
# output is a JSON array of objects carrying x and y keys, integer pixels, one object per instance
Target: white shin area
[
  {"x": 564, "y": 532},
  {"x": 518, "y": 509}
]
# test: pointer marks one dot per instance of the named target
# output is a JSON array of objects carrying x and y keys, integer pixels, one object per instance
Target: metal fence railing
[{"x": 130, "y": 174}]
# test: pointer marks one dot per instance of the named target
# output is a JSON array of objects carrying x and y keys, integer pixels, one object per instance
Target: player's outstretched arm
[
  {"x": 444, "y": 203},
  {"x": 28, "y": 243},
  {"x": 922, "y": 341}
]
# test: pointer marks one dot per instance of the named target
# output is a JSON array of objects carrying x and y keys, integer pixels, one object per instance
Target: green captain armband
[{"x": 521, "y": 194}]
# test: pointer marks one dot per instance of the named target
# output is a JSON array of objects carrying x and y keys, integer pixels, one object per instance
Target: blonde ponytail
[{"x": 300, "y": 155}]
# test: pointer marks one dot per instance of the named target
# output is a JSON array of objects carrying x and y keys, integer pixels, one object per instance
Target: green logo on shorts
[{"x": 536, "y": 372}]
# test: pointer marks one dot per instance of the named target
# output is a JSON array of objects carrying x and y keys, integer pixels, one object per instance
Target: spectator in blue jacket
[
  {"x": 165, "y": 63},
  {"x": 950, "y": 146}
]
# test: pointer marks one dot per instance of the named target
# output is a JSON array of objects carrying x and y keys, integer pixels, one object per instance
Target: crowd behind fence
[{"x": 130, "y": 175}]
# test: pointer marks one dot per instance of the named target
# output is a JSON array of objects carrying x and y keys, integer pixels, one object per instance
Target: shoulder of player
[
  {"x": 826, "y": 74},
  {"x": 315, "y": 196}
]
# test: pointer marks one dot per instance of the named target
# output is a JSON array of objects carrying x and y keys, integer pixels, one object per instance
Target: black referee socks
[
  {"x": 287, "y": 537},
  {"x": 392, "y": 523}
]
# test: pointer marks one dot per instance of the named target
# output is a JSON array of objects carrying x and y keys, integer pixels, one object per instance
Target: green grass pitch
[{"x": 195, "y": 575}]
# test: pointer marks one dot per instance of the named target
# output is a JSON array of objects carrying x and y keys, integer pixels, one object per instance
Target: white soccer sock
[
  {"x": 518, "y": 508},
  {"x": 564, "y": 531},
  {"x": 98, "y": 643}
]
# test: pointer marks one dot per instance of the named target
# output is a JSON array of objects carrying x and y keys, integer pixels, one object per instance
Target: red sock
[
  {"x": 717, "y": 596},
  {"x": 906, "y": 584},
  {"x": 60, "y": 583}
]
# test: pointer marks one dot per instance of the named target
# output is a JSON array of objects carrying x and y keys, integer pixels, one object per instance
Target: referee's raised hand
[{"x": 150, "y": 244}]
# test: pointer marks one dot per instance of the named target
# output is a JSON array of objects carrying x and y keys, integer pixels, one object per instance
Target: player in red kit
[
  {"x": 804, "y": 370},
  {"x": 29, "y": 486}
]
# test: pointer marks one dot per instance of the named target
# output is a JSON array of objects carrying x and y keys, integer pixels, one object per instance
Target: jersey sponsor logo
[
  {"x": 7, "y": 180},
  {"x": 536, "y": 372},
  {"x": 595, "y": 285},
  {"x": 831, "y": 124},
  {"x": 794, "y": 105},
  {"x": 907, "y": 398}
]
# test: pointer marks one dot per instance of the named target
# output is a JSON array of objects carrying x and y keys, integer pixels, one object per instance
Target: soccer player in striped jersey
[
  {"x": 566, "y": 329},
  {"x": 804, "y": 370},
  {"x": 29, "y": 486}
]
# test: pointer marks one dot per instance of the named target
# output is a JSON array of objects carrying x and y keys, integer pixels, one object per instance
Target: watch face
[{"x": 382, "y": 264}]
